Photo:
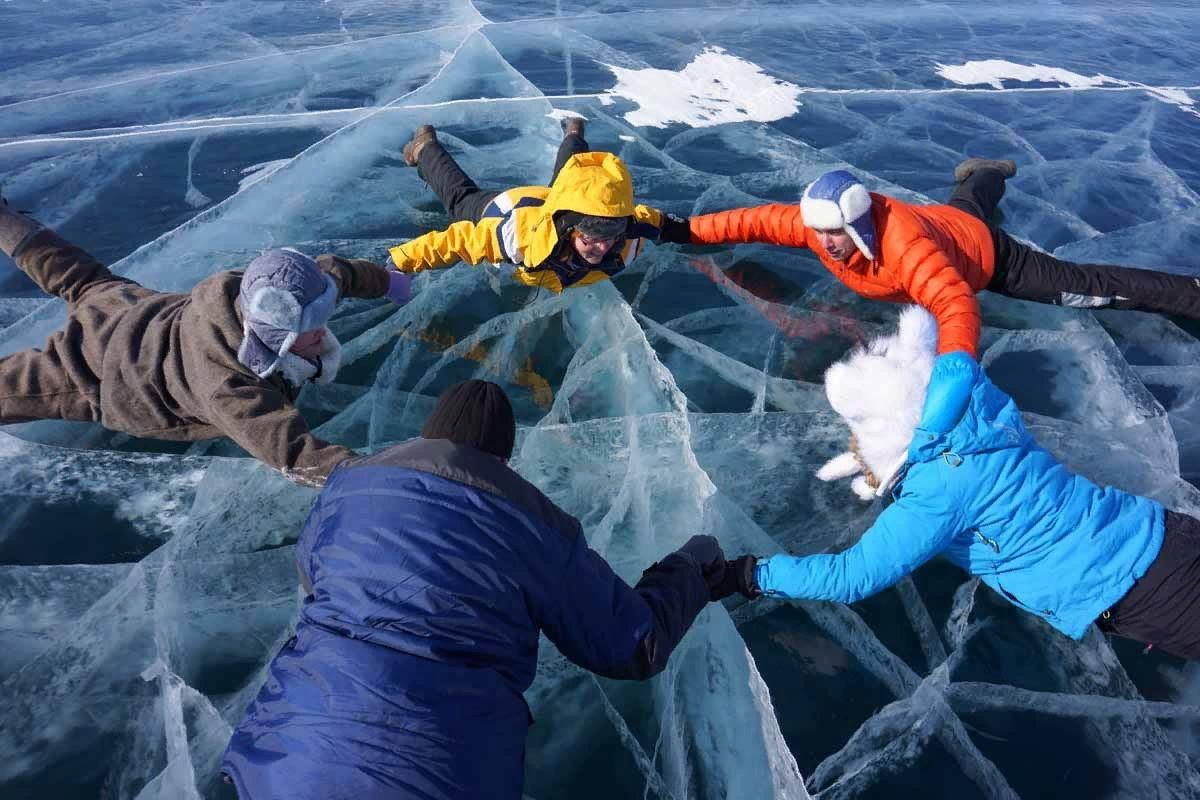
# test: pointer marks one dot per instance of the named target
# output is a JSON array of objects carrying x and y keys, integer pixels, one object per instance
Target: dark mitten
[
  {"x": 675, "y": 230},
  {"x": 706, "y": 552},
  {"x": 738, "y": 577}
]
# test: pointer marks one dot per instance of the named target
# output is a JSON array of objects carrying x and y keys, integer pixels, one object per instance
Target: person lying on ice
[
  {"x": 432, "y": 567},
  {"x": 964, "y": 479},
  {"x": 939, "y": 256},
  {"x": 583, "y": 229},
  {"x": 228, "y": 359}
]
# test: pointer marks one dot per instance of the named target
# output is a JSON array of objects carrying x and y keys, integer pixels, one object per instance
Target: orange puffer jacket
[{"x": 935, "y": 256}]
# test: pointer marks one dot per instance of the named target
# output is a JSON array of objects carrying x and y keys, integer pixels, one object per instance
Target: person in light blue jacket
[{"x": 962, "y": 478}]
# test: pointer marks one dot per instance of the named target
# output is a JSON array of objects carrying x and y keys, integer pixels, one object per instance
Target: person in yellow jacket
[{"x": 581, "y": 229}]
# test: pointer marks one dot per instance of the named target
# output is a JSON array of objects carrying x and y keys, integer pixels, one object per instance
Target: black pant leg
[
  {"x": 1163, "y": 606},
  {"x": 463, "y": 199},
  {"x": 1028, "y": 274},
  {"x": 980, "y": 193},
  {"x": 570, "y": 146}
]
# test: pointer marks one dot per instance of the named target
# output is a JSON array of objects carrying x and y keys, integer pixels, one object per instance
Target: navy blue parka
[{"x": 433, "y": 567}]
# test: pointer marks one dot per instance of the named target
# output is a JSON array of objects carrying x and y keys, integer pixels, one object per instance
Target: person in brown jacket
[{"x": 227, "y": 359}]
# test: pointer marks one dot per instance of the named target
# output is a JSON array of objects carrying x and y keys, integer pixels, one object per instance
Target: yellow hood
[{"x": 589, "y": 183}]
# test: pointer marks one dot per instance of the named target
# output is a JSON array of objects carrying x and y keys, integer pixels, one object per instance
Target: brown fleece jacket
[{"x": 165, "y": 365}]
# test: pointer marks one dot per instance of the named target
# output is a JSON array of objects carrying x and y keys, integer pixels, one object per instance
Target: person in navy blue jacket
[
  {"x": 431, "y": 569},
  {"x": 963, "y": 478}
]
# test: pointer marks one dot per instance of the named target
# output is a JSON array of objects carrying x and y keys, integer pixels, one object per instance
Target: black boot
[
  {"x": 1007, "y": 167},
  {"x": 421, "y": 137}
]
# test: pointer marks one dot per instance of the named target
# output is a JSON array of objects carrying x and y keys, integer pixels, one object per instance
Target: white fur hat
[{"x": 880, "y": 391}]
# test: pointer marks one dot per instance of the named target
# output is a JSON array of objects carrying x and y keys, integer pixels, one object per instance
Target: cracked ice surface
[{"x": 144, "y": 586}]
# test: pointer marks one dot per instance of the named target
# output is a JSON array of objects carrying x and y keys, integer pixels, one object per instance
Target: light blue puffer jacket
[{"x": 980, "y": 491}]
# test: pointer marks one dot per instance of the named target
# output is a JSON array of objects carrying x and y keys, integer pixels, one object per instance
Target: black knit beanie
[{"x": 475, "y": 413}]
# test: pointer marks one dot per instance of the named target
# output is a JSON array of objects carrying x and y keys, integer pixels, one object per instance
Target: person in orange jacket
[{"x": 940, "y": 256}]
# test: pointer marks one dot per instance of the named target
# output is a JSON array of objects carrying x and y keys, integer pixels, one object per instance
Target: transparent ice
[{"x": 144, "y": 586}]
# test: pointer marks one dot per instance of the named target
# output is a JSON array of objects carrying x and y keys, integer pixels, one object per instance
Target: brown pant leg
[{"x": 52, "y": 383}]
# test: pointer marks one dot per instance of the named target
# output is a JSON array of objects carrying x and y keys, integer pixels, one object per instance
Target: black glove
[
  {"x": 739, "y": 577},
  {"x": 706, "y": 552},
  {"x": 675, "y": 230}
]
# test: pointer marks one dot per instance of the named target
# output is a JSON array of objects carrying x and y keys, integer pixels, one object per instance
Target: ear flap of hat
[
  {"x": 275, "y": 307},
  {"x": 318, "y": 312},
  {"x": 823, "y": 215},
  {"x": 879, "y": 391},
  {"x": 840, "y": 466}
]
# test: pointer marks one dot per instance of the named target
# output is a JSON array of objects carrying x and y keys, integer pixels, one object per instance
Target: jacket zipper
[{"x": 992, "y": 543}]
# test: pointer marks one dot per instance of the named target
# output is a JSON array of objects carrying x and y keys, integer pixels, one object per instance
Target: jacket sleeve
[
  {"x": 354, "y": 277},
  {"x": 259, "y": 418},
  {"x": 463, "y": 241},
  {"x": 936, "y": 284},
  {"x": 907, "y": 534},
  {"x": 659, "y": 226},
  {"x": 601, "y": 624},
  {"x": 775, "y": 223}
]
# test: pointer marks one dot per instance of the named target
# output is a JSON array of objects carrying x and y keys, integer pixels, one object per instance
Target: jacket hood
[
  {"x": 964, "y": 413},
  {"x": 589, "y": 183}
]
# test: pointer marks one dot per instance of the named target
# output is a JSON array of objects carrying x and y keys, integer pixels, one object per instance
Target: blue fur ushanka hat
[
  {"x": 839, "y": 200},
  {"x": 284, "y": 294}
]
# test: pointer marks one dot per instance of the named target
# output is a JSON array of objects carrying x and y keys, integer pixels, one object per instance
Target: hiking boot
[
  {"x": 1007, "y": 167},
  {"x": 573, "y": 126},
  {"x": 421, "y": 137}
]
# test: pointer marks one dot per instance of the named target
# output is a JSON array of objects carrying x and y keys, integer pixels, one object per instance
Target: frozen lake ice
[{"x": 144, "y": 585}]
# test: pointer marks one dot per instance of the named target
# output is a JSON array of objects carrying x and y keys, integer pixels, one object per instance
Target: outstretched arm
[
  {"x": 260, "y": 419},
  {"x": 355, "y": 277},
  {"x": 659, "y": 226},
  {"x": 471, "y": 242},
  {"x": 906, "y": 535},
  {"x": 775, "y": 223},
  {"x": 935, "y": 284},
  {"x": 599, "y": 622}
]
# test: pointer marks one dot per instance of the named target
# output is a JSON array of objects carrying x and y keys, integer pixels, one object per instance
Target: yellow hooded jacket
[{"x": 518, "y": 226}]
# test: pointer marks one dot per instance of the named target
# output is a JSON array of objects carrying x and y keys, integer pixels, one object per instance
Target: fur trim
[
  {"x": 279, "y": 308},
  {"x": 879, "y": 391},
  {"x": 297, "y": 371},
  {"x": 840, "y": 466},
  {"x": 823, "y": 215},
  {"x": 331, "y": 358},
  {"x": 318, "y": 312}
]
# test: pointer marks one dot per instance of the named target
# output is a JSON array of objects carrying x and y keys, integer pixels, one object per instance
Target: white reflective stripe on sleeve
[
  {"x": 631, "y": 251},
  {"x": 508, "y": 239},
  {"x": 504, "y": 202},
  {"x": 1082, "y": 300}
]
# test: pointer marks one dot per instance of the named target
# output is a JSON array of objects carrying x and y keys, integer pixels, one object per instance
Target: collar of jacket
[
  {"x": 462, "y": 464},
  {"x": 589, "y": 183}
]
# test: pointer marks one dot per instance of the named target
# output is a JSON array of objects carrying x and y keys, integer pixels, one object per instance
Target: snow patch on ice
[
  {"x": 256, "y": 172},
  {"x": 994, "y": 71},
  {"x": 714, "y": 88}
]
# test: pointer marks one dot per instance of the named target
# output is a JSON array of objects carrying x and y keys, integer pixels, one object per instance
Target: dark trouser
[
  {"x": 61, "y": 380},
  {"x": 1163, "y": 607},
  {"x": 463, "y": 199},
  {"x": 1027, "y": 274}
]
